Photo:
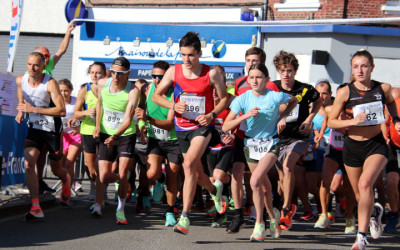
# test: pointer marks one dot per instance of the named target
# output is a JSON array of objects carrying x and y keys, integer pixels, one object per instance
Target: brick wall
[{"x": 334, "y": 9}]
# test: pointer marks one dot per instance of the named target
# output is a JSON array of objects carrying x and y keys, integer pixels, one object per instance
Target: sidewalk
[{"x": 20, "y": 203}]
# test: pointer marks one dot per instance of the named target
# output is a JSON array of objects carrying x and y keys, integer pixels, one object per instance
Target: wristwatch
[
  {"x": 115, "y": 137},
  {"x": 214, "y": 115}
]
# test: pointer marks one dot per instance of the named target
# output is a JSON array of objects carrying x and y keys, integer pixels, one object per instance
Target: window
[
  {"x": 298, "y": 5},
  {"x": 391, "y": 7}
]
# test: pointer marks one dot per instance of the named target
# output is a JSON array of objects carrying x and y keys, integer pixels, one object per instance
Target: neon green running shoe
[
  {"x": 182, "y": 226},
  {"x": 121, "y": 220}
]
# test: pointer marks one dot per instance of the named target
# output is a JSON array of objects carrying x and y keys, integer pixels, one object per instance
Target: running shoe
[
  {"x": 236, "y": 224},
  {"x": 129, "y": 193},
  {"x": 219, "y": 203},
  {"x": 350, "y": 226},
  {"x": 133, "y": 196},
  {"x": 116, "y": 184},
  {"x": 43, "y": 187},
  {"x": 308, "y": 216},
  {"x": 96, "y": 211},
  {"x": 158, "y": 191},
  {"x": 182, "y": 226},
  {"x": 375, "y": 223},
  {"x": 65, "y": 194},
  {"x": 286, "y": 222},
  {"x": 322, "y": 222},
  {"x": 121, "y": 220},
  {"x": 231, "y": 205},
  {"x": 361, "y": 243},
  {"x": 343, "y": 205},
  {"x": 274, "y": 227},
  {"x": 331, "y": 217},
  {"x": 219, "y": 220},
  {"x": 170, "y": 219},
  {"x": 258, "y": 234},
  {"x": 393, "y": 220},
  {"x": 34, "y": 214},
  {"x": 212, "y": 212},
  {"x": 77, "y": 187},
  {"x": 247, "y": 209}
]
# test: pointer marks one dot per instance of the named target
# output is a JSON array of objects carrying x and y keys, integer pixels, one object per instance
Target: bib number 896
[{"x": 191, "y": 108}]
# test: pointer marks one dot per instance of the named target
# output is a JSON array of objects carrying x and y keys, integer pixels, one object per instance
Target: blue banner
[{"x": 12, "y": 137}]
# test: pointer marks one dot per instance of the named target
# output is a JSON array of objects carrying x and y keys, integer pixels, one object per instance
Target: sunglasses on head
[
  {"x": 47, "y": 55},
  {"x": 157, "y": 76},
  {"x": 120, "y": 73}
]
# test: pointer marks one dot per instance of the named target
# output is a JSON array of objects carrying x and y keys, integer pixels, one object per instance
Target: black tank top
[{"x": 357, "y": 97}]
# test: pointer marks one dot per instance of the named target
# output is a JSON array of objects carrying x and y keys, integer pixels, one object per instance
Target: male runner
[
  {"x": 40, "y": 97},
  {"x": 193, "y": 104},
  {"x": 117, "y": 100},
  {"x": 162, "y": 143},
  {"x": 293, "y": 140}
]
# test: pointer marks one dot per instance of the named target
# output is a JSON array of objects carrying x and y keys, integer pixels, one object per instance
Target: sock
[
  {"x": 121, "y": 204},
  {"x": 363, "y": 234},
  {"x": 170, "y": 209},
  {"x": 185, "y": 214},
  {"x": 35, "y": 204},
  {"x": 375, "y": 213},
  {"x": 238, "y": 211}
]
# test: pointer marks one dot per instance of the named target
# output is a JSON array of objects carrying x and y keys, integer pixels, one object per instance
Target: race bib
[
  {"x": 294, "y": 115},
  {"x": 195, "y": 106},
  {"x": 92, "y": 119},
  {"x": 113, "y": 119},
  {"x": 374, "y": 112},
  {"x": 159, "y": 133},
  {"x": 220, "y": 132},
  {"x": 337, "y": 139},
  {"x": 258, "y": 148},
  {"x": 42, "y": 122}
]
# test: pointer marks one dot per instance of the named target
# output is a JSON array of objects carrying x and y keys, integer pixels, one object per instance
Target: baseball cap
[{"x": 122, "y": 61}]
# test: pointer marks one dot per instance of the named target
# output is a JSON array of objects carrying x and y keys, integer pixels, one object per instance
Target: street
[{"x": 74, "y": 228}]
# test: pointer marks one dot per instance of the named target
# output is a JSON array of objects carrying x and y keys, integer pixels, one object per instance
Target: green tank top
[
  {"x": 114, "y": 107},
  {"x": 89, "y": 122},
  {"x": 159, "y": 113}
]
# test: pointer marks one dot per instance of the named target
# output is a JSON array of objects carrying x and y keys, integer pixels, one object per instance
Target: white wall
[{"x": 39, "y": 16}]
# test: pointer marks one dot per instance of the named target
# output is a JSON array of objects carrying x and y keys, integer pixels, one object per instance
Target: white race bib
[
  {"x": 294, "y": 115},
  {"x": 220, "y": 132},
  {"x": 159, "y": 133},
  {"x": 337, "y": 139},
  {"x": 374, "y": 112},
  {"x": 113, "y": 119},
  {"x": 42, "y": 122},
  {"x": 195, "y": 106},
  {"x": 258, "y": 148}
]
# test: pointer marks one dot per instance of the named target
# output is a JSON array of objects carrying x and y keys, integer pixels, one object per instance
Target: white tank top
[
  {"x": 38, "y": 97},
  {"x": 69, "y": 109}
]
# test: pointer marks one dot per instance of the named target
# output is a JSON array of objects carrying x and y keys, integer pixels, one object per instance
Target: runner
[
  {"x": 39, "y": 97},
  {"x": 293, "y": 141},
  {"x": 71, "y": 129},
  {"x": 253, "y": 55},
  {"x": 193, "y": 83},
  {"x": 116, "y": 129},
  {"x": 264, "y": 123},
  {"x": 85, "y": 109},
  {"x": 162, "y": 144},
  {"x": 392, "y": 170},
  {"x": 365, "y": 150}
]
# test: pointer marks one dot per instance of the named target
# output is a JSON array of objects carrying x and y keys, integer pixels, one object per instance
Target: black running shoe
[
  {"x": 43, "y": 187},
  {"x": 236, "y": 224}
]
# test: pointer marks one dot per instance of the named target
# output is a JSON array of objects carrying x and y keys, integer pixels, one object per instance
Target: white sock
[{"x": 121, "y": 204}]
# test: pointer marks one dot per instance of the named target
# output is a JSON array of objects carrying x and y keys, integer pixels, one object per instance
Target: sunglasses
[
  {"x": 120, "y": 73},
  {"x": 47, "y": 55},
  {"x": 157, "y": 76}
]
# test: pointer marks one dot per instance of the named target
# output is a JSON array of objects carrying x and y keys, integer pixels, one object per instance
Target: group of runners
[{"x": 284, "y": 139}]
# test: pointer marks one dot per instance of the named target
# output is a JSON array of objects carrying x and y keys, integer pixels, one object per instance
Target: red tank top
[
  {"x": 394, "y": 136},
  {"x": 198, "y": 94},
  {"x": 219, "y": 121}
]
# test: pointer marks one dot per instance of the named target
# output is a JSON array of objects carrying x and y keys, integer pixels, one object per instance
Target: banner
[
  {"x": 12, "y": 134},
  {"x": 16, "y": 14}
]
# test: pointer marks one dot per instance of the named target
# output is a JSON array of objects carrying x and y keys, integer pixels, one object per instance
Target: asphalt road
[{"x": 74, "y": 228}]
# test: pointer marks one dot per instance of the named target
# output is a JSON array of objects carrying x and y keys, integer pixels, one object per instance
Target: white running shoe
[{"x": 375, "y": 223}]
